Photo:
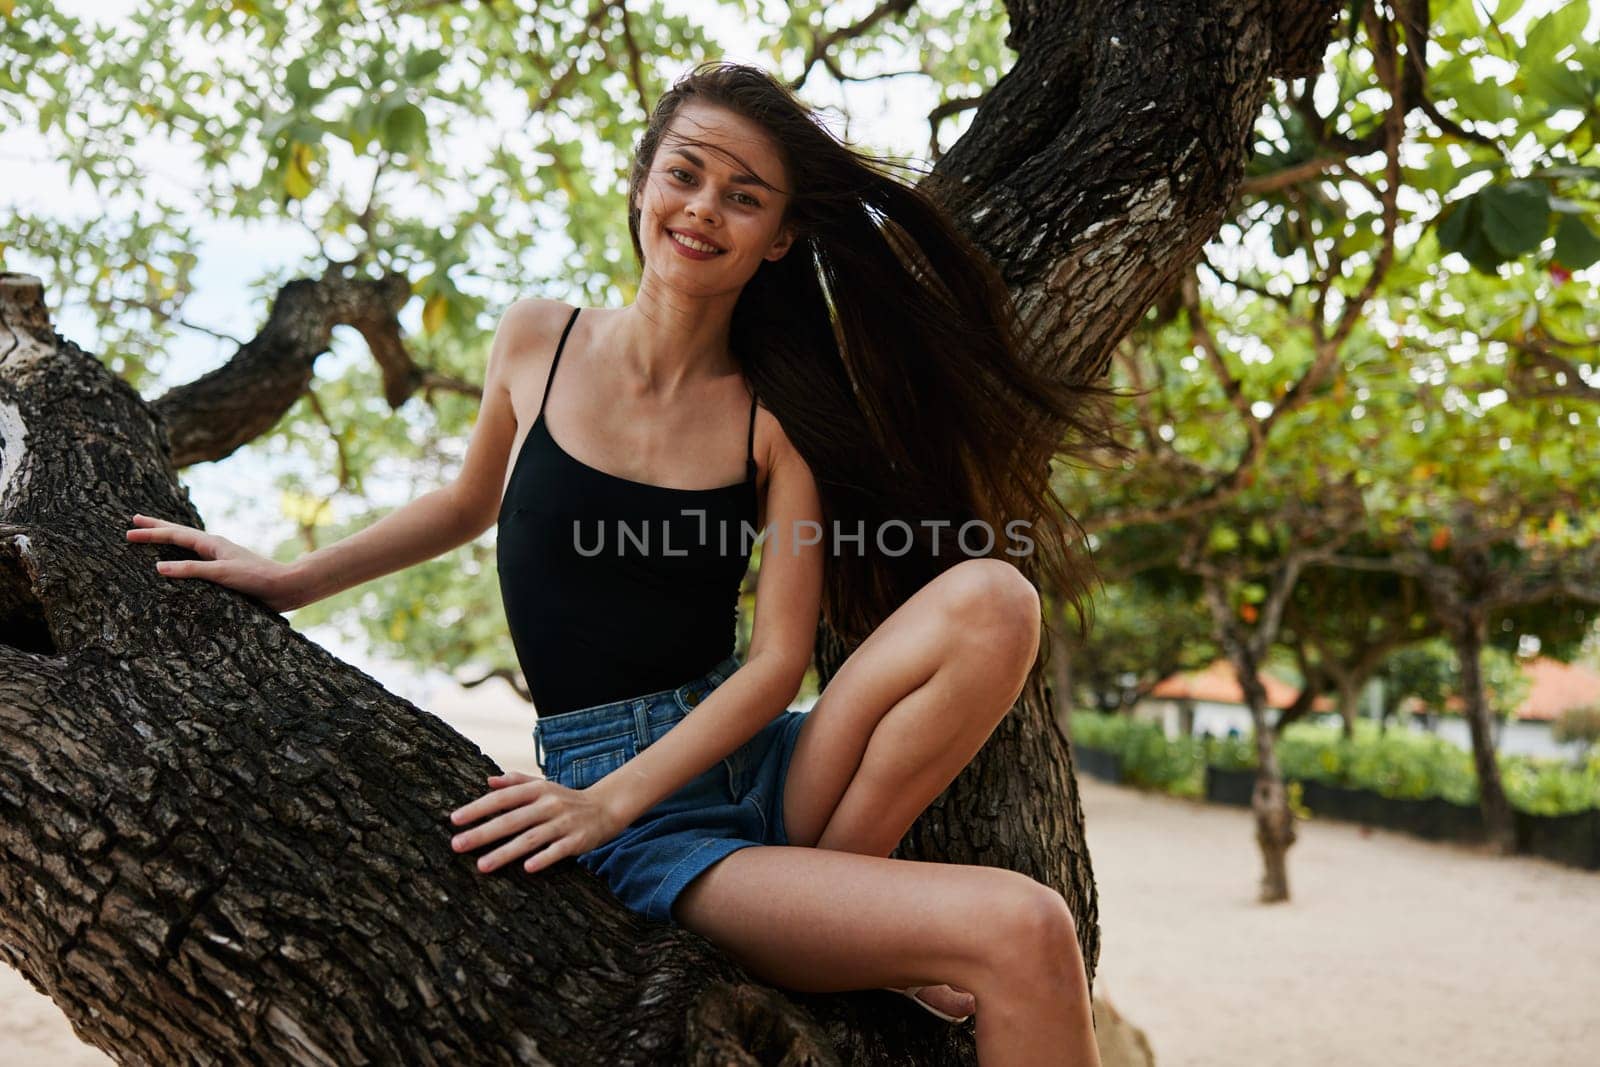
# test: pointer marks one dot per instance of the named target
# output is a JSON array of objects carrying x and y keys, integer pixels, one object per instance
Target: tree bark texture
[{"x": 222, "y": 844}]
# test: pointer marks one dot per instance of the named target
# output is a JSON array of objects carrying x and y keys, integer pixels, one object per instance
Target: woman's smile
[{"x": 692, "y": 248}]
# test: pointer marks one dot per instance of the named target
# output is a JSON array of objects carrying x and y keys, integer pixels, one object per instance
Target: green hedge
[
  {"x": 1148, "y": 758},
  {"x": 1400, "y": 763}
]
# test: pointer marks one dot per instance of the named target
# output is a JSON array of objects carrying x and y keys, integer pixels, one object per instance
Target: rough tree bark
[{"x": 221, "y": 843}]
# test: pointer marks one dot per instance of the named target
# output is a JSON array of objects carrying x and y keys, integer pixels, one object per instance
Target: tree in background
[
  {"x": 1343, "y": 625},
  {"x": 1148, "y": 625},
  {"x": 1579, "y": 727},
  {"x": 1422, "y": 671},
  {"x": 1396, "y": 306}
]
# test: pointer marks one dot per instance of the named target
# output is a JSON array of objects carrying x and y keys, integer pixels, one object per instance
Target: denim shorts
[{"x": 735, "y": 803}]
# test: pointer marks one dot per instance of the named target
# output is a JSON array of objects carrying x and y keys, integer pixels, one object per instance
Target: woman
[{"x": 776, "y": 263}]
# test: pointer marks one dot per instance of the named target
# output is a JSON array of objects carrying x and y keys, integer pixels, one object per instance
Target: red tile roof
[
  {"x": 1219, "y": 684},
  {"x": 1553, "y": 688}
]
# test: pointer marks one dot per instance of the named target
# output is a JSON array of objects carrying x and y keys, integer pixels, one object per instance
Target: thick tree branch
[{"x": 219, "y": 412}]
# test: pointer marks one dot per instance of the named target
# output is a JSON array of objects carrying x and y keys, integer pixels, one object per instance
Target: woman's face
[{"x": 715, "y": 179}]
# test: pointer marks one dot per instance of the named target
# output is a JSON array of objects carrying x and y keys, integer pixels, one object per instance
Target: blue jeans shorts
[{"x": 735, "y": 803}]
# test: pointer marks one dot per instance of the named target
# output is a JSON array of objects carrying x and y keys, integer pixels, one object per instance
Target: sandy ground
[{"x": 1394, "y": 951}]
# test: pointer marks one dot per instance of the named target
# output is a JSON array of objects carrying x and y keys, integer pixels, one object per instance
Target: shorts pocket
[
  {"x": 584, "y": 771},
  {"x": 737, "y": 768}
]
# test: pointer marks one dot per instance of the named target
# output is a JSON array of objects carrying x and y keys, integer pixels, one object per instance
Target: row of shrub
[
  {"x": 1399, "y": 762},
  {"x": 1399, "y": 779}
]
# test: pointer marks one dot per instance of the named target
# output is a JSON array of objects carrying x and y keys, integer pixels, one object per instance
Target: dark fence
[{"x": 1573, "y": 839}]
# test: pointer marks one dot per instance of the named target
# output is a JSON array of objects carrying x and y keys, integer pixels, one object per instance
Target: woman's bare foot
[{"x": 952, "y": 1000}]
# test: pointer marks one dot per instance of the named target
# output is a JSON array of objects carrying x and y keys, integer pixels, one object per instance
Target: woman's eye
[{"x": 744, "y": 198}]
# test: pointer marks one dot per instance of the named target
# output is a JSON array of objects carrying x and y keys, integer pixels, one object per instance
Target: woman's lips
[{"x": 692, "y": 253}]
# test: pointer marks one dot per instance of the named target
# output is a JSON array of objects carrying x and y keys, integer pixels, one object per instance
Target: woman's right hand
[{"x": 222, "y": 562}]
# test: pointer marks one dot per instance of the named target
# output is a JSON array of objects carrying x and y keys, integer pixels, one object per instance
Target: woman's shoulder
[
  {"x": 772, "y": 444},
  {"x": 525, "y": 339},
  {"x": 531, "y": 317}
]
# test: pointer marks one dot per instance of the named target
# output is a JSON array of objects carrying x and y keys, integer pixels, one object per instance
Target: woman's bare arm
[{"x": 426, "y": 527}]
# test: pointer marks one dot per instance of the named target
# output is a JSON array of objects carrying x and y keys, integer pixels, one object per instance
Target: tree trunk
[
  {"x": 1468, "y": 638},
  {"x": 1269, "y": 800},
  {"x": 1060, "y": 664},
  {"x": 220, "y": 842},
  {"x": 1349, "y": 704}
]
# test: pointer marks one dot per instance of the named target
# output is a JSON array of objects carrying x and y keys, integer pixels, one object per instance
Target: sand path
[{"x": 1393, "y": 950}]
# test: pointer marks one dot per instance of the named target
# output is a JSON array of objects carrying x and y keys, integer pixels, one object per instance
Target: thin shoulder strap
[
  {"x": 750, "y": 446},
  {"x": 559, "y": 346}
]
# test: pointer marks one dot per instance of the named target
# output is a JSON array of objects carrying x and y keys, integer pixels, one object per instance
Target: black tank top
[{"x": 615, "y": 588}]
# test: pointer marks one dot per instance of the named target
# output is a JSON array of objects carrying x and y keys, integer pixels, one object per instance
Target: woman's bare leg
[
  {"x": 819, "y": 920},
  {"x": 906, "y": 711},
  {"x": 911, "y": 707}
]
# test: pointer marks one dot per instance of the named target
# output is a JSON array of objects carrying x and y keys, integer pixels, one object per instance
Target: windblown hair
[{"x": 889, "y": 348}]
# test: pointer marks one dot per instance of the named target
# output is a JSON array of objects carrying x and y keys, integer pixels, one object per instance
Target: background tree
[
  {"x": 1147, "y": 626},
  {"x": 1422, "y": 671},
  {"x": 1363, "y": 321},
  {"x": 1343, "y": 625}
]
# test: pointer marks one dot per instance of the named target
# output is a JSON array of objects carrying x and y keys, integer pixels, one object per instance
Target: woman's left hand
[{"x": 544, "y": 820}]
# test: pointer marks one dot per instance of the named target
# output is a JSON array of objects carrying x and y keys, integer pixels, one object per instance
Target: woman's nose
[{"x": 703, "y": 207}]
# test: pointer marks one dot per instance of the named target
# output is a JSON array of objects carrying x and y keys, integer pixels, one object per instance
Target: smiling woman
[
  {"x": 674, "y": 772},
  {"x": 804, "y": 314}
]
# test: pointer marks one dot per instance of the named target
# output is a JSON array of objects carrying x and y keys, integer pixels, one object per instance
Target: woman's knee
[
  {"x": 992, "y": 602},
  {"x": 1033, "y": 925},
  {"x": 994, "y": 591}
]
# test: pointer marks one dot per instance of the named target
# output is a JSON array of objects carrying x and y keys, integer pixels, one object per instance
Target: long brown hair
[{"x": 889, "y": 348}]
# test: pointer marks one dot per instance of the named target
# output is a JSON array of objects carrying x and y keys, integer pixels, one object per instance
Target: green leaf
[
  {"x": 1459, "y": 20},
  {"x": 297, "y": 78},
  {"x": 1563, "y": 26},
  {"x": 1576, "y": 245},
  {"x": 1457, "y": 222},
  {"x": 1223, "y": 539},
  {"x": 1485, "y": 100},
  {"x": 405, "y": 129},
  {"x": 1516, "y": 217},
  {"x": 421, "y": 64},
  {"x": 1558, "y": 85}
]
